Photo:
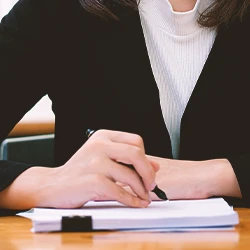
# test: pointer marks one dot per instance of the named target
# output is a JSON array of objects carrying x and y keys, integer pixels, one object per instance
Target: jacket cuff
[
  {"x": 9, "y": 171},
  {"x": 241, "y": 167}
]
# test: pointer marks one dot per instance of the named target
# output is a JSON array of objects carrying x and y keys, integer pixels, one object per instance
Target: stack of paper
[{"x": 169, "y": 215}]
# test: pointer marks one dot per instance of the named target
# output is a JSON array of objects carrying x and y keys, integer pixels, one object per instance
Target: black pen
[{"x": 161, "y": 194}]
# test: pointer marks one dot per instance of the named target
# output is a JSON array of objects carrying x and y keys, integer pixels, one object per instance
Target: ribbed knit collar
[{"x": 176, "y": 23}]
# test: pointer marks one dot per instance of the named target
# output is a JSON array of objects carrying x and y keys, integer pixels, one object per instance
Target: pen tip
[{"x": 161, "y": 194}]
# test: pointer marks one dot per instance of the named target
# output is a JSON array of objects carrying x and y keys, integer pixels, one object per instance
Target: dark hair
[
  {"x": 224, "y": 12},
  {"x": 221, "y": 12}
]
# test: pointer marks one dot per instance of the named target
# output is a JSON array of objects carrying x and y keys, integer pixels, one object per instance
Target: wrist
[
  {"x": 224, "y": 179},
  {"x": 25, "y": 190},
  {"x": 46, "y": 187}
]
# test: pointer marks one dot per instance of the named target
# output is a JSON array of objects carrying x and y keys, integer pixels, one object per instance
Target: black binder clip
[{"x": 77, "y": 224}]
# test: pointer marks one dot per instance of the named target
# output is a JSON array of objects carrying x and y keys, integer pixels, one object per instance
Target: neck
[{"x": 182, "y": 6}]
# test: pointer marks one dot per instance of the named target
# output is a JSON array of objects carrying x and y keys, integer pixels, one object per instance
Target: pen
[{"x": 161, "y": 194}]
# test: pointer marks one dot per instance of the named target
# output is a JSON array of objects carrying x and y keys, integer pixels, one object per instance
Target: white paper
[{"x": 179, "y": 214}]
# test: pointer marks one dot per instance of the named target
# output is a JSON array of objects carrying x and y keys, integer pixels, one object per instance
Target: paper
[{"x": 160, "y": 214}]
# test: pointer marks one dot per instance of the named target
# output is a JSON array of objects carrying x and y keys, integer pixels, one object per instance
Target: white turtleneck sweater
[{"x": 178, "y": 48}]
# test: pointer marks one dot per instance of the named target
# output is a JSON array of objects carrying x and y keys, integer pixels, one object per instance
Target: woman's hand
[
  {"x": 194, "y": 179},
  {"x": 93, "y": 173}
]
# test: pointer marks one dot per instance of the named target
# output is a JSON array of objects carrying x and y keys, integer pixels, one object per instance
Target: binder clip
[{"x": 77, "y": 224}]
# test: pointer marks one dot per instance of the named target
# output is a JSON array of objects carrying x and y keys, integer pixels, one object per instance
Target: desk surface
[
  {"x": 15, "y": 235},
  {"x": 29, "y": 128}
]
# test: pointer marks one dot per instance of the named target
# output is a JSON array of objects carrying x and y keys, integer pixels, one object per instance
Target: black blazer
[{"x": 98, "y": 75}]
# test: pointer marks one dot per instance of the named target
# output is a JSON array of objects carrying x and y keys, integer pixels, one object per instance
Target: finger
[
  {"x": 129, "y": 190},
  {"x": 111, "y": 191},
  {"x": 121, "y": 184},
  {"x": 127, "y": 176},
  {"x": 154, "y": 197},
  {"x": 133, "y": 155},
  {"x": 121, "y": 137},
  {"x": 155, "y": 165}
]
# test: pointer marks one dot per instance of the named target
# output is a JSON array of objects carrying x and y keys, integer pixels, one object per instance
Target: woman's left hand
[{"x": 181, "y": 179}]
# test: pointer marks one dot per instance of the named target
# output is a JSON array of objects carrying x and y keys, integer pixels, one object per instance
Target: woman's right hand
[{"x": 93, "y": 173}]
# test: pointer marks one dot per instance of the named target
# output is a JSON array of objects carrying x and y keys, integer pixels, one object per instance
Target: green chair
[{"x": 37, "y": 150}]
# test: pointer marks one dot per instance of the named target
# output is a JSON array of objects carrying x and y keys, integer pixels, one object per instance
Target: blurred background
[
  {"x": 42, "y": 110},
  {"x": 5, "y": 6}
]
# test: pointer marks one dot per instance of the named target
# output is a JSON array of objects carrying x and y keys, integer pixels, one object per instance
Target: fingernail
[
  {"x": 153, "y": 186},
  {"x": 144, "y": 203}
]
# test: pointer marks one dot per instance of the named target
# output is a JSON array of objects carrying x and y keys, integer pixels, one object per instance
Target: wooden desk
[
  {"x": 15, "y": 235},
  {"x": 33, "y": 128}
]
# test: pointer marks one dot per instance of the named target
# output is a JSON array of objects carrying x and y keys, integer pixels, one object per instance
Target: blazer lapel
[
  {"x": 122, "y": 55},
  {"x": 204, "y": 119}
]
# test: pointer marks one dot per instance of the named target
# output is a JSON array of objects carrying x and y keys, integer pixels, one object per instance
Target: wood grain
[{"x": 15, "y": 235}]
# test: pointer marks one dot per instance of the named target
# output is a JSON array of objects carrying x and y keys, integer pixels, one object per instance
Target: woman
[{"x": 170, "y": 74}]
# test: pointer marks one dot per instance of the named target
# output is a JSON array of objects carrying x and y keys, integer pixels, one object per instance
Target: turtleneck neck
[
  {"x": 173, "y": 22},
  {"x": 182, "y": 6}
]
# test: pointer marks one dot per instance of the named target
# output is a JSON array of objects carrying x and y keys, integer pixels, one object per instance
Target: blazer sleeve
[
  {"x": 23, "y": 50},
  {"x": 240, "y": 164}
]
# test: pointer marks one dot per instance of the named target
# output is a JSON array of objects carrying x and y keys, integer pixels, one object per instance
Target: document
[{"x": 158, "y": 216}]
